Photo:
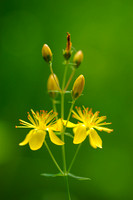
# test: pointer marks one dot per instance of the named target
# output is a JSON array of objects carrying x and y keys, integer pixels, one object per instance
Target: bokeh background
[{"x": 104, "y": 31}]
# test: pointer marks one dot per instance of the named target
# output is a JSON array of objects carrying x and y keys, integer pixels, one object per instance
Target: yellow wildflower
[
  {"x": 40, "y": 123},
  {"x": 87, "y": 126}
]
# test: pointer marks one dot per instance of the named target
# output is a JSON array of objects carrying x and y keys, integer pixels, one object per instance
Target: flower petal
[
  {"x": 92, "y": 143},
  {"x": 69, "y": 124},
  {"x": 95, "y": 140},
  {"x": 79, "y": 134},
  {"x": 108, "y": 130},
  {"x": 54, "y": 138},
  {"x": 27, "y": 138},
  {"x": 57, "y": 126},
  {"x": 37, "y": 139},
  {"x": 100, "y": 119}
]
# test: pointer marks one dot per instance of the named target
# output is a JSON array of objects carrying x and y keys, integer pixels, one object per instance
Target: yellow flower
[
  {"x": 40, "y": 123},
  {"x": 87, "y": 126}
]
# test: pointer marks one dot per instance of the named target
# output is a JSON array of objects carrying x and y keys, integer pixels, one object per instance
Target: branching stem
[
  {"x": 53, "y": 157},
  {"x": 74, "y": 158}
]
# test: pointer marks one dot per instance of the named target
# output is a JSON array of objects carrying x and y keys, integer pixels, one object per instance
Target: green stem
[
  {"x": 62, "y": 134},
  {"x": 54, "y": 108},
  {"x": 53, "y": 158},
  {"x": 69, "y": 115},
  {"x": 74, "y": 158},
  {"x": 63, "y": 145},
  {"x": 66, "y": 177},
  {"x": 70, "y": 78},
  {"x": 62, "y": 116},
  {"x": 62, "y": 94}
]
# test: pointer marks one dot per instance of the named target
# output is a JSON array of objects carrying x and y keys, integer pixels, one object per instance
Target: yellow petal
[
  {"x": 69, "y": 124},
  {"x": 79, "y": 134},
  {"x": 95, "y": 140},
  {"x": 92, "y": 142},
  {"x": 100, "y": 119},
  {"x": 57, "y": 126},
  {"x": 37, "y": 139},
  {"x": 27, "y": 138},
  {"x": 108, "y": 130},
  {"x": 54, "y": 138}
]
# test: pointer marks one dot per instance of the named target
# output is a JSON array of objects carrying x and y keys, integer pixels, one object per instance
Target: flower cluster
[{"x": 43, "y": 122}]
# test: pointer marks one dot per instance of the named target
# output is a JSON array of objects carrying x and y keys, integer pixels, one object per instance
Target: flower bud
[
  {"x": 46, "y": 53},
  {"x": 78, "y": 57},
  {"x": 78, "y": 87},
  {"x": 52, "y": 85},
  {"x": 67, "y": 52}
]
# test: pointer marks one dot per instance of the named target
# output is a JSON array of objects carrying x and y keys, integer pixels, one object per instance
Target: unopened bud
[
  {"x": 46, "y": 53},
  {"x": 78, "y": 57},
  {"x": 67, "y": 52},
  {"x": 53, "y": 85},
  {"x": 78, "y": 87}
]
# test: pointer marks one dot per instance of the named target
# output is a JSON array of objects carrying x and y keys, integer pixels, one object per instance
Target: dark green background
[{"x": 104, "y": 31}]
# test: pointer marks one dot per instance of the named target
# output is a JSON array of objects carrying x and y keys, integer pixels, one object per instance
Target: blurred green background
[{"x": 104, "y": 31}]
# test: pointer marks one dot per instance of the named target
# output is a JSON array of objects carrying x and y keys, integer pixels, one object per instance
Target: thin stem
[
  {"x": 66, "y": 177},
  {"x": 62, "y": 94},
  {"x": 74, "y": 158},
  {"x": 69, "y": 115},
  {"x": 53, "y": 158},
  {"x": 62, "y": 105},
  {"x": 62, "y": 116},
  {"x": 63, "y": 148},
  {"x": 51, "y": 69},
  {"x": 54, "y": 108},
  {"x": 70, "y": 78},
  {"x": 64, "y": 78},
  {"x": 63, "y": 131},
  {"x": 65, "y": 162}
]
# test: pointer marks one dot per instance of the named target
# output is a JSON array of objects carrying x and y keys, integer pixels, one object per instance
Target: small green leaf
[
  {"x": 57, "y": 91},
  {"x": 68, "y": 134},
  {"x": 58, "y": 133},
  {"x": 78, "y": 177},
  {"x": 68, "y": 92},
  {"x": 51, "y": 175}
]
